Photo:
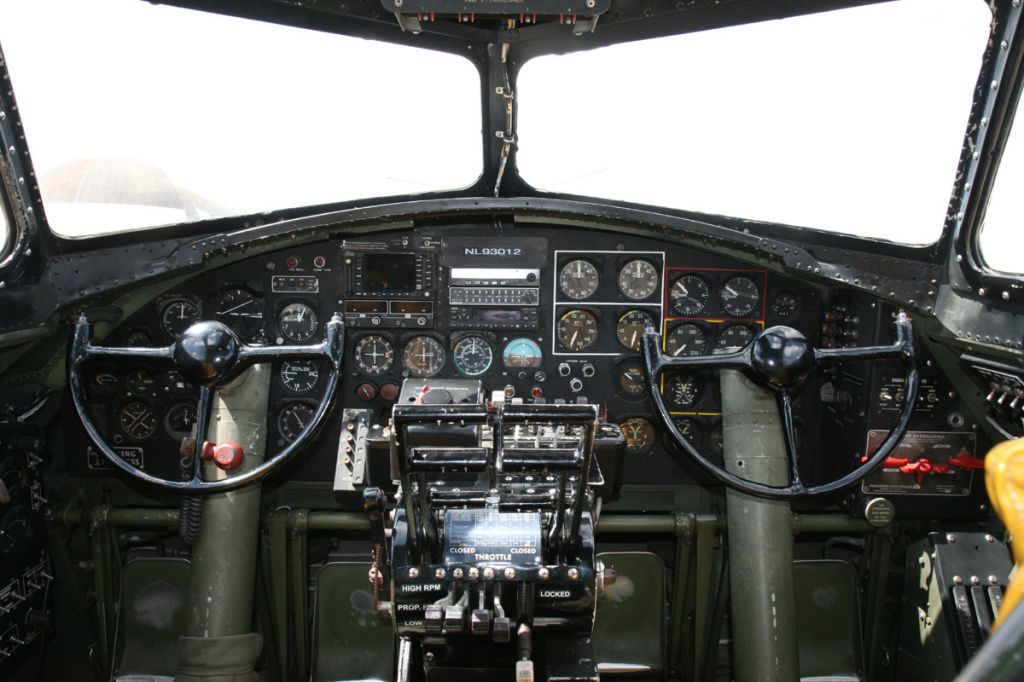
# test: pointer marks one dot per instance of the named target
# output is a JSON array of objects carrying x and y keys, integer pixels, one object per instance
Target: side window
[
  {"x": 1001, "y": 236},
  {"x": 5, "y": 228}
]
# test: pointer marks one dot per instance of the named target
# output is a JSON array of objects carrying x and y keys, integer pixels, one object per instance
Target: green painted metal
[
  {"x": 150, "y": 616},
  {"x": 828, "y": 613},
  {"x": 684, "y": 525},
  {"x": 763, "y": 606},
  {"x": 104, "y": 586},
  {"x": 703, "y": 562},
  {"x": 224, "y": 557},
  {"x": 276, "y": 557},
  {"x": 629, "y": 629},
  {"x": 297, "y": 529},
  {"x": 878, "y": 584}
]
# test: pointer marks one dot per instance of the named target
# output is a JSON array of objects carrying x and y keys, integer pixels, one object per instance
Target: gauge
[
  {"x": 104, "y": 381},
  {"x": 784, "y": 305},
  {"x": 177, "y": 316},
  {"x": 689, "y": 295},
  {"x": 17, "y": 526},
  {"x": 682, "y": 390},
  {"x": 423, "y": 356},
  {"x": 687, "y": 340},
  {"x": 690, "y": 430},
  {"x": 740, "y": 296},
  {"x": 638, "y": 279},
  {"x": 579, "y": 279},
  {"x": 631, "y": 327},
  {"x": 472, "y": 355},
  {"x": 522, "y": 352},
  {"x": 179, "y": 420},
  {"x": 137, "y": 420},
  {"x": 735, "y": 336},
  {"x": 577, "y": 329},
  {"x": 374, "y": 355},
  {"x": 297, "y": 322},
  {"x": 299, "y": 376},
  {"x": 138, "y": 338},
  {"x": 715, "y": 440},
  {"x": 632, "y": 381},
  {"x": 639, "y": 435},
  {"x": 241, "y": 310},
  {"x": 140, "y": 381},
  {"x": 293, "y": 420}
]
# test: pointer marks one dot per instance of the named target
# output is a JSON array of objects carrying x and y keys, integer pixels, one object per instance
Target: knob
[
  {"x": 576, "y": 385},
  {"x": 366, "y": 392},
  {"x": 228, "y": 456},
  {"x": 564, "y": 369},
  {"x": 390, "y": 391},
  {"x": 589, "y": 370}
]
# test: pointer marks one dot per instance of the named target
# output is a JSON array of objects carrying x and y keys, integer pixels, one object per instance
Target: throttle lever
[{"x": 373, "y": 503}]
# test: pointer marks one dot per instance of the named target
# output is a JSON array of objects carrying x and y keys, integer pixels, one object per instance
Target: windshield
[
  {"x": 189, "y": 115},
  {"x": 1000, "y": 237},
  {"x": 849, "y": 121}
]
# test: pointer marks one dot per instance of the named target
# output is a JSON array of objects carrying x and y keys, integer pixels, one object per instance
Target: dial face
[
  {"x": 689, "y": 295},
  {"x": 293, "y": 419},
  {"x": 632, "y": 381},
  {"x": 299, "y": 376},
  {"x": 140, "y": 381},
  {"x": 638, "y": 279},
  {"x": 522, "y": 352},
  {"x": 137, "y": 420},
  {"x": 577, "y": 330},
  {"x": 138, "y": 338},
  {"x": 423, "y": 356},
  {"x": 691, "y": 430},
  {"x": 631, "y": 327},
  {"x": 103, "y": 380},
  {"x": 374, "y": 355},
  {"x": 472, "y": 355},
  {"x": 687, "y": 340},
  {"x": 715, "y": 440},
  {"x": 177, "y": 316},
  {"x": 297, "y": 322},
  {"x": 682, "y": 390},
  {"x": 740, "y": 296},
  {"x": 241, "y": 310},
  {"x": 784, "y": 305},
  {"x": 579, "y": 279},
  {"x": 639, "y": 435},
  {"x": 735, "y": 336},
  {"x": 179, "y": 420}
]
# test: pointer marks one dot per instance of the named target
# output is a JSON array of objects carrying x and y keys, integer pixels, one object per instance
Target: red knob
[
  {"x": 390, "y": 391},
  {"x": 366, "y": 392},
  {"x": 228, "y": 456}
]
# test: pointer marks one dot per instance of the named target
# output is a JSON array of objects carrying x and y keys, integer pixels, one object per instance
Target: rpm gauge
[
  {"x": 638, "y": 279},
  {"x": 177, "y": 316},
  {"x": 579, "y": 279},
  {"x": 734, "y": 336},
  {"x": 374, "y": 355},
  {"x": 740, "y": 296},
  {"x": 137, "y": 420},
  {"x": 472, "y": 355},
  {"x": 297, "y": 323},
  {"x": 687, "y": 340},
  {"x": 577, "y": 330},
  {"x": 631, "y": 328},
  {"x": 639, "y": 435},
  {"x": 299, "y": 376},
  {"x": 293, "y": 420},
  {"x": 522, "y": 352},
  {"x": 689, "y": 295},
  {"x": 423, "y": 356},
  {"x": 241, "y": 310}
]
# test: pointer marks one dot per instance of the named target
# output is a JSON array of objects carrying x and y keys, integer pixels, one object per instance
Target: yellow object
[{"x": 1004, "y": 479}]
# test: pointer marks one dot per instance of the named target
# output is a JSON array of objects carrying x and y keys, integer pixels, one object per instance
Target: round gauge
[
  {"x": 577, "y": 330},
  {"x": 689, "y": 295},
  {"x": 683, "y": 390},
  {"x": 177, "y": 316},
  {"x": 715, "y": 440},
  {"x": 423, "y": 356},
  {"x": 140, "y": 381},
  {"x": 740, "y": 296},
  {"x": 137, "y": 420},
  {"x": 179, "y": 420},
  {"x": 784, "y": 305},
  {"x": 632, "y": 381},
  {"x": 17, "y": 525},
  {"x": 299, "y": 376},
  {"x": 639, "y": 435},
  {"x": 104, "y": 381},
  {"x": 138, "y": 338},
  {"x": 297, "y": 322},
  {"x": 631, "y": 327},
  {"x": 579, "y": 279},
  {"x": 687, "y": 340},
  {"x": 734, "y": 336},
  {"x": 522, "y": 352},
  {"x": 374, "y": 355},
  {"x": 638, "y": 279},
  {"x": 472, "y": 355},
  {"x": 293, "y": 420},
  {"x": 691, "y": 430},
  {"x": 241, "y": 310}
]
